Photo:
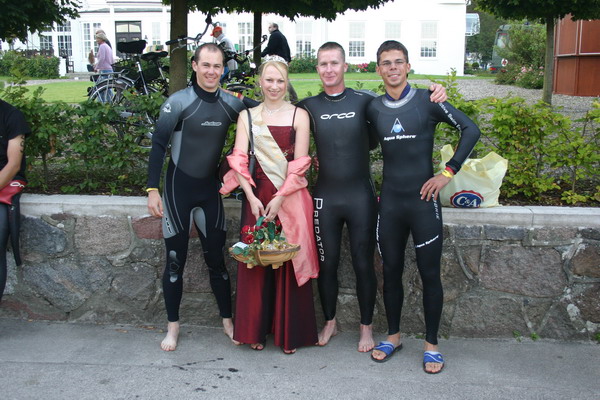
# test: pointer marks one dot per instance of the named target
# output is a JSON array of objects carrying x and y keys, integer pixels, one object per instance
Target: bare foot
[
  {"x": 394, "y": 339},
  {"x": 328, "y": 331},
  {"x": 366, "y": 342},
  {"x": 288, "y": 351},
  {"x": 432, "y": 367},
  {"x": 228, "y": 330},
  {"x": 169, "y": 343},
  {"x": 257, "y": 346}
]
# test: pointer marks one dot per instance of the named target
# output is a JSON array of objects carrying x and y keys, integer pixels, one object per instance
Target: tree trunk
[
  {"x": 549, "y": 67},
  {"x": 178, "y": 67},
  {"x": 256, "y": 37}
]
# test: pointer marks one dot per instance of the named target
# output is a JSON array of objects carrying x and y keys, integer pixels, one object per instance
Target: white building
[{"x": 432, "y": 30}]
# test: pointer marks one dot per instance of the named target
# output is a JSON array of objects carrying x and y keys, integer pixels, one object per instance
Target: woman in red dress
[{"x": 276, "y": 301}]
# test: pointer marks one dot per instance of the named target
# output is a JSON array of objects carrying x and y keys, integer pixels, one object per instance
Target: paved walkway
[{"x": 52, "y": 360}]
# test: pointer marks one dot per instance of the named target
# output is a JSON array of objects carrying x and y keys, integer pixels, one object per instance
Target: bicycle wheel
[
  {"x": 129, "y": 119},
  {"x": 107, "y": 92}
]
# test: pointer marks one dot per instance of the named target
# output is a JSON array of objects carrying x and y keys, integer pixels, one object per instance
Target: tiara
[{"x": 275, "y": 58}]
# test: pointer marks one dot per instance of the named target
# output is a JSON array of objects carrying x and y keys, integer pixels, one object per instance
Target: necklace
[{"x": 271, "y": 112}]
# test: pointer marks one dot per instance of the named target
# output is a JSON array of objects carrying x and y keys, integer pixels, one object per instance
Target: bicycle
[
  {"x": 238, "y": 81},
  {"x": 120, "y": 85}
]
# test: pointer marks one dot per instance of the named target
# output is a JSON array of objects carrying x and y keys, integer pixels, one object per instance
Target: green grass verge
[{"x": 71, "y": 91}]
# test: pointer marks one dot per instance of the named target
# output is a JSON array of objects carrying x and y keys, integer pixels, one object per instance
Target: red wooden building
[{"x": 577, "y": 57}]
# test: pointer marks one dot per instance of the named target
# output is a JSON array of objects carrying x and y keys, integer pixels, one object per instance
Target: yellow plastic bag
[{"x": 478, "y": 182}]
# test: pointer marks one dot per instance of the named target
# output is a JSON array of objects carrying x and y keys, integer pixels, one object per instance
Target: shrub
[
  {"x": 72, "y": 147},
  {"x": 303, "y": 63},
  {"x": 36, "y": 66},
  {"x": 530, "y": 78}
]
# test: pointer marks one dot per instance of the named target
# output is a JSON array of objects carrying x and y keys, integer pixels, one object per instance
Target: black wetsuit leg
[
  {"x": 187, "y": 200},
  {"x": 356, "y": 207},
  {"x": 4, "y": 231},
  {"x": 400, "y": 215}
]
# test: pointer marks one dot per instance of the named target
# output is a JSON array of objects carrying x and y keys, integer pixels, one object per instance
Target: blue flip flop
[
  {"x": 389, "y": 350},
  {"x": 433, "y": 357}
]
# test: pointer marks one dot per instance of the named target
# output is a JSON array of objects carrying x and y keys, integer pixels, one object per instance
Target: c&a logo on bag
[{"x": 466, "y": 199}]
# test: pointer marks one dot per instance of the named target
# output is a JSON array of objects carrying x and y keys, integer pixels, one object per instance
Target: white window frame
[
  {"x": 393, "y": 30},
  {"x": 304, "y": 38},
  {"x": 356, "y": 34},
  {"x": 156, "y": 33},
  {"x": 64, "y": 39},
  {"x": 245, "y": 35},
  {"x": 88, "y": 30},
  {"x": 429, "y": 39}
]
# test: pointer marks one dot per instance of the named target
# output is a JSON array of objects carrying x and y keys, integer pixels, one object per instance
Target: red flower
[
  {"x": 246, "y": 229},
  {"x": 248, "y": 239}
]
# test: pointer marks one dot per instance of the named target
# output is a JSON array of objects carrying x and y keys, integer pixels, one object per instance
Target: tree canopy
[
  {"x": 541, "y": 10},
  {"x": 327, "y": 9},
  {"x": 19, "y": 17},
  {"x": 546, "y": 11}
]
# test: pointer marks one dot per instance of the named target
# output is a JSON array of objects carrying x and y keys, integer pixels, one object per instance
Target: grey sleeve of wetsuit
[{"x": 166, "y": 124}]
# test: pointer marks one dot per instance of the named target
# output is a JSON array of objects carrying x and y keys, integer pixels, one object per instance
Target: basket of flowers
[{"x": 263, "y": 244}]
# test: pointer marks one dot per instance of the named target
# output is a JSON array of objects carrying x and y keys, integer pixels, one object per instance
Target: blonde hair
[{"x": 279, "y": 66}]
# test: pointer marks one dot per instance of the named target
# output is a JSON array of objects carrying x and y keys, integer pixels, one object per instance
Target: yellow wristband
[
  {"x": 447, "y": 174},
  {"x": 151, "y": 189}
]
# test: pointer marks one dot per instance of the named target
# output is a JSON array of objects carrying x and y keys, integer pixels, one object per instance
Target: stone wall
[{"x": 505, "y": 270}]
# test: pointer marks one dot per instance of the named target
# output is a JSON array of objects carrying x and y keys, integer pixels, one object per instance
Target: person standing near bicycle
[
  {"x": 227, "y": 45},
  {"x": 277, "y": 45},
  {"x": 194, "y": 122},
  {"x": 104, "y": 60}
]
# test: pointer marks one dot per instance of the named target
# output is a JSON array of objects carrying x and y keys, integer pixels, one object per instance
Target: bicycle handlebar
[{"x": 181, "y": 39}]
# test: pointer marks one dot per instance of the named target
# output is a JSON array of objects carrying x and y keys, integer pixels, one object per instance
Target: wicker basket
[{"x": 274, "y": 258}]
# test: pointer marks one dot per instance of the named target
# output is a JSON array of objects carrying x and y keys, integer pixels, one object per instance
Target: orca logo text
[{"x": 339, "y": 116}]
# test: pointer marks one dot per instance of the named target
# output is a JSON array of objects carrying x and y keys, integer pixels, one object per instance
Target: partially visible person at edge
[
  {"x": 344, "y": 192},
  {"x": 277, "y": 45},
  {"x": 405, "y": 122},
  {"x": 194, "y": 123},
  {"x": 13, "y": 130},
  {"x": 227, "y": 45},
  {"x": 104, "y": 60},
  {"x": 276, "y": 301}
]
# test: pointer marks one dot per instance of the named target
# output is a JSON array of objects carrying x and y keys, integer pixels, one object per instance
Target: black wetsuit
[
  {"x": 406, "y": 132},
  {"x": 12, "y": 125},
  {"x": 195, "y": 123},
  {"x": 344, "y": 193}
]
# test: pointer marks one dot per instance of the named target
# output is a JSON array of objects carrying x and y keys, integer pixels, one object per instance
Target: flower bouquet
[{"x": 263, "y": 244}]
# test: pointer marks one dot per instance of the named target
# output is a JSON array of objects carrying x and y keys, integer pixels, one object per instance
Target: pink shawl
[{"x": 296, "y": 212}]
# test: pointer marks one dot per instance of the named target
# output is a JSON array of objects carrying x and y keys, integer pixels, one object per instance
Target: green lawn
[{"x": 71, "y": 91}]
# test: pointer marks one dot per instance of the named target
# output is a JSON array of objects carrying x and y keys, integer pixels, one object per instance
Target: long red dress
[{"x": 268, "y": 300}]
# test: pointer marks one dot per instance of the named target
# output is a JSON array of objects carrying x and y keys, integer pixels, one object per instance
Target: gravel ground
[{"x": 475, "y": 89}]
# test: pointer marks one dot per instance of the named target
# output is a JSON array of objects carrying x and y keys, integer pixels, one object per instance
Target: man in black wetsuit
[
  {"x": 344, "y": 192},
  {"x": 194, "y": 121},
  {"x": 405, "y": 122}
]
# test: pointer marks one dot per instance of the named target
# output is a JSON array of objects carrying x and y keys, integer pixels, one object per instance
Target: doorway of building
[{"x": 127, "y": 31}]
